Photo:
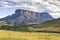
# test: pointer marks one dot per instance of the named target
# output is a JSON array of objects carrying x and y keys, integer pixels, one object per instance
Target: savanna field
[{"x": 12, "y": 35}]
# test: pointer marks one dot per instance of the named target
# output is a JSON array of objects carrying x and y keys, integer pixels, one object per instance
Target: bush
[{"x": 14, "y": 28}]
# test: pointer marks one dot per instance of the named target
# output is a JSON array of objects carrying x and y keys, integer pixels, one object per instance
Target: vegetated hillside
[
  {"x": 22, "y": 17},
  {"x": 48, "y": 26},
  {"x": 52, "y": 25},
  {"x": 3, "y": 23},
  {"x": 23, "y": 28}
]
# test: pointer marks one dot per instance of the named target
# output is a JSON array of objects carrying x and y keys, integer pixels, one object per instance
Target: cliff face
[{"x": 25, "y": 17}]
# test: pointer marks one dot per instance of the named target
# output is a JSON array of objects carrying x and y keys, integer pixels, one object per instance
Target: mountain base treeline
[{"x": 30, "y": 28}]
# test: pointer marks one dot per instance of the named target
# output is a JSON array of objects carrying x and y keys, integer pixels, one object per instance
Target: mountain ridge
[{"x": 25, "y": 16}]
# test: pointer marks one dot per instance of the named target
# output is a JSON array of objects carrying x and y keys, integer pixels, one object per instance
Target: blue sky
[
  {"x": 8, "y": 7},
  {"x": 5, "y": 11}
]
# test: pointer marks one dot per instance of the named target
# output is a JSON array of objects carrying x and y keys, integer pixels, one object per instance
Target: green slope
[
  {"x": 48, "y": 26},
  {"x": 3, "y": 23},
  {"x": 52, "y": 25}
]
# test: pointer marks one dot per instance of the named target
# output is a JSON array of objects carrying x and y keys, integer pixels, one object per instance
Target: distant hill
[
  {"x": 22, "y": 17},
  {"x": 52, "y": 25}
]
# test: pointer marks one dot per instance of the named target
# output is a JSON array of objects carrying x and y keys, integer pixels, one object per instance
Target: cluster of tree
[{"x": 13, "y": 28}]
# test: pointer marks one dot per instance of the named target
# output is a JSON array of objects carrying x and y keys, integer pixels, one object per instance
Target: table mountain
[{"x": 21, "y": 17}]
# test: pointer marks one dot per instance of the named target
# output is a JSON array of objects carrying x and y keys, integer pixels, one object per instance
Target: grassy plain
[{"x": 11, "y": 35}]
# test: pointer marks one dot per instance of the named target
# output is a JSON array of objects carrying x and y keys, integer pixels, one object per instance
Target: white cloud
[
  {"x": 36, "y": 0},
  {"x": 35, "y": 5},
  {"x": 5, "y": 5},
  {"x": 55, "y": 15},
  {"x": 15, "y": 0}
]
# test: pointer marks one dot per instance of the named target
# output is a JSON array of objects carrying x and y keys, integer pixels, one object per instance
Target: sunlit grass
[{"x": 11, "y": 35}]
